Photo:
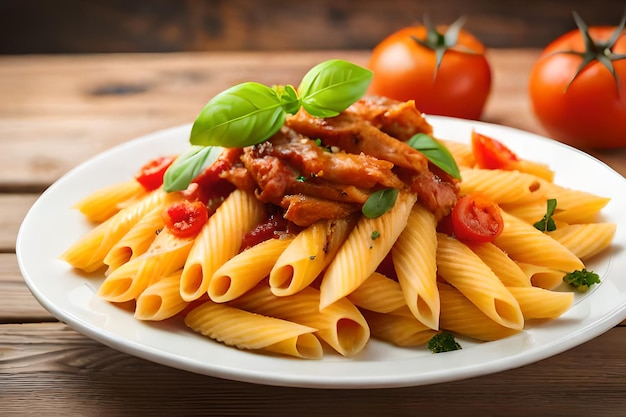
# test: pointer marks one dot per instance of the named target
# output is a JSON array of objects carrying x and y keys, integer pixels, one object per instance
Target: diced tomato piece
[
  {"x": 477, "y": 219},
  {"x": 150, "y": 176},
  {"x": 271, "y": 228},
  {"x": 492, "y": 154},
  {"x": 185, "y": 218}
]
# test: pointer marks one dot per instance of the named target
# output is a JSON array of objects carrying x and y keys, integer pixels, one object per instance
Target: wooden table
[{"x": 57, "y": 111}]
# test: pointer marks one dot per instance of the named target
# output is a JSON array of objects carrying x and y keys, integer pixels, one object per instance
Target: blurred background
[{"x": 84, "y": 26}]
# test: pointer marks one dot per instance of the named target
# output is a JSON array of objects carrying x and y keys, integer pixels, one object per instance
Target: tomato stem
[
  {"x": 601, "y": 51},
  {"x": 442, "y": 42}
]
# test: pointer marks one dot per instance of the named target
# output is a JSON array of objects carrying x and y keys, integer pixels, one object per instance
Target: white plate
[{"x": 51, "y": 226}]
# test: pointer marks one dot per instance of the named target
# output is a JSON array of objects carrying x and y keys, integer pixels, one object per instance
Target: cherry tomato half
[
  {"x": 492, "y": 154},
  {"x": 150, "y": 176},
  {"x": 406, "y": 70},
  {"x": 476, "y": 219},
  {"x": 185, "y": 218}
]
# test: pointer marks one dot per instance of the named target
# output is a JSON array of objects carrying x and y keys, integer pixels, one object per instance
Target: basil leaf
[
  {"x": 332, "y": 86},
  {"x": 243, "y": 115},
  {"x": 379, "y": 202},
  {"x": 188, "y": 165},
  {"x": 436, "y": 153},
  {"x": 547, "y": 224},
  {"x": 288, "y": 97}
]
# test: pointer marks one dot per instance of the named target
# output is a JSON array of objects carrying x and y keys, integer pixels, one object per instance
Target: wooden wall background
[{"x": 84, "y": 26}]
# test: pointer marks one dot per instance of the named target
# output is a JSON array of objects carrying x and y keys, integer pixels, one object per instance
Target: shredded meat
[
  {"x": 312, "y": 161},
  {"x": 316, "y": 168},
  {"x": 304, "y": 210},
  {"x": 435, "y": 193},
  {"x": 400, "y": 119},
  {"x": 356, "y": 135}
]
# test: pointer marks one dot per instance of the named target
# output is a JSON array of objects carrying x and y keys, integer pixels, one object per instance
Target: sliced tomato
[
  {"x": 150, "y": 176},
  {"x": 492, "y": 154},
  {"x": 185, "y": 218},
  {"x": 475, "y": 218}
]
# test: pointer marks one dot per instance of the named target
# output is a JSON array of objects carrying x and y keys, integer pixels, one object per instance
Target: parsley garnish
[{"x": 546, "y": 224}]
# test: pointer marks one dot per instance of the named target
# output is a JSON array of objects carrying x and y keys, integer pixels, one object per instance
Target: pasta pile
[{"x": 322, "y": 287}]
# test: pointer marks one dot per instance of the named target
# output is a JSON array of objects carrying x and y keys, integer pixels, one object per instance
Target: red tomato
[
  {"x": 477, "y": 219},
  {"x": 588, "y": 111},
  {"x": 492, "y": 154},
  {"x": 185, "y": 218},
  {"x": 150, "y": 176},
  {"x": 405, "y": 70}
]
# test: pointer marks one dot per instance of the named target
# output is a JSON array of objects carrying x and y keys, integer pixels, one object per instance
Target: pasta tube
[
  {"x": 464, "y": 270},
  {"x": 415, "y": 261},
  {"x": 232, "y": 326},
  {"x": 341, "y": 324},
  {"x": 161, "y": 300},
  {"x": 310, "y": 252},
  {"x": 235, "y": 276},
  {"x": 365, "y": 247},
  {"x": 218, "y": 241}
]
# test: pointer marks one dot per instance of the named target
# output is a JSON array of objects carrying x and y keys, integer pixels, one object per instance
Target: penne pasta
[
  {"x": 499, "y": 262},
  {"x": 502, "y": 186},
  {"x": 524, "y": 243},
  {"x": 218, "y": 241},
  {"x": 104, "y": 203},
  {"x": 585, "y": 240},
  {"x": 136, "y": 241},
  {"x": 465, "y": 271},
  {"x": 236, "y": 276},
  {"x": 365, "y": 247},
  {"x": 530, "y": 212},
  {"x": 161, "y": 300},
  {"x": 273, "y": 247},
  {"x": 539, "y": 303},
  {"x": 341, "y": 324},
  {"x": 415, "y": 261},
  {"x": 401, "y": 330},
  {"x": 574, "y": 206},
  {"x": 460, "y": 315},
  {"x": 166, "y": 255},
  {"x": 541, "y": 276},
  {"x": 232, "y": 326},
  {"x": 88, "y": 252},
  {"x": 308, "y": 254},
  {"x": 378, "y": 294}
]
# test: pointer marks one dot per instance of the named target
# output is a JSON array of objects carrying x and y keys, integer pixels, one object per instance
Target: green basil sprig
[
  {"x": 251, "y": 113},
  {"x": 379, "y": 202},
  {"x": 332, "y": 86},
  {"x": 436, "y": 153},
  {"x": 243, "y": 115},
  {"x": 547, "y": 224},
  {"x": 188, "y": 165}
]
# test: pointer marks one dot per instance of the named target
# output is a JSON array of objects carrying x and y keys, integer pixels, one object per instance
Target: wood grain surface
[
  {"x": 77, "y": 26},
  {"x": 58, "y": 111}
]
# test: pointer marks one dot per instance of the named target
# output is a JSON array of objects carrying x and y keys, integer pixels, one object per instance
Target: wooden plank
[
  {"x": 87, "y": 104},
  {"x": 72, "y": 26},
  {"x": 18, "y": 304},
  {"x": 13, "y": 208},
  {"x": 49, "y": 369}
]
